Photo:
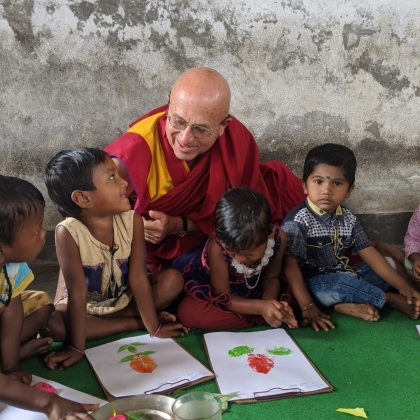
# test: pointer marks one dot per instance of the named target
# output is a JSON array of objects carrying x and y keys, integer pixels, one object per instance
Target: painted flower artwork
[
  {"x": 258, "y": 362},
  {"x": 140, "y": 361}
]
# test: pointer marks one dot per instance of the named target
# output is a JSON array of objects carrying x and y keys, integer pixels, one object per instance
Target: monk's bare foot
[
  {"x": 166, "y": 316},
  {"x": 34, "y": 346},
  {"x": 399, "y": 302},
  {"x": 358, "y": 310}
]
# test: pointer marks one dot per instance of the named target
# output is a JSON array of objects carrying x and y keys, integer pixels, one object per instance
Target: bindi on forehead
[{"x": 329, "y": 178}]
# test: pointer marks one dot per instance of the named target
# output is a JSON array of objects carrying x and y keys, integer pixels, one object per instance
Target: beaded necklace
[{"x": 249, "y": 272}]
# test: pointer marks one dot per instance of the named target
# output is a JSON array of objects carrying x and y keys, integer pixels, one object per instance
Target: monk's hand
[{"x": 158, "y": 226}]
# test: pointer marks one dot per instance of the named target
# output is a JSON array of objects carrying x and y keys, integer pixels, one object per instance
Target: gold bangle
[{"x": 308, "y": 306}]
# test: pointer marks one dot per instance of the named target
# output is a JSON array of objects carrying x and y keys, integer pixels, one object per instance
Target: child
[
  {"x": 321, "y": 234},
  {"x": 412, "y": 245},
  {"x": 234, "y": 281},
  {"x": 101, "y": 251},
  {"x": 23, "y": 313}
]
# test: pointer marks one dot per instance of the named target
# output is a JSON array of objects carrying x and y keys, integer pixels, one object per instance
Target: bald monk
[{"x": 180, "y": 158}]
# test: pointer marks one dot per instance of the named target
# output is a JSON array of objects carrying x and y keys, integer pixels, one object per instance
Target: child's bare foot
[
  {"x": 358, "y": 310},
  {"x": 166, "y": 316},
  {"x": 33, "y": 347},
  {"x": 399, "y": 302}
]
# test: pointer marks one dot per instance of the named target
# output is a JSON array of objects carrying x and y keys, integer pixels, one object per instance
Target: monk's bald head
[
  {"x": 198, "y": 112},
  {"x": 203, "y": 87}
]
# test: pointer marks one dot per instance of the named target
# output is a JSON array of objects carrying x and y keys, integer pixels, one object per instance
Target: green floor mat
[{"x": 371, "y": 365}]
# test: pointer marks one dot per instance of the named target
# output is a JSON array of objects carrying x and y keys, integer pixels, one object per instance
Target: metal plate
[{"x": 150, "y": 407}]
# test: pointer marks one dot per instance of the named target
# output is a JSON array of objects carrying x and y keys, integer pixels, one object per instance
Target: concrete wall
[{"x": 302, "y": 72}]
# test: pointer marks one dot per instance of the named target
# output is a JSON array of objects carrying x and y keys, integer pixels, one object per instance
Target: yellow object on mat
[{"x": 358, "y": 412}]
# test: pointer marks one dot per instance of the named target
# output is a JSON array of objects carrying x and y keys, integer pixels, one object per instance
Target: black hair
[
  {"x": 334, "y": 155},
  {"x": 18, "y": 200},
  {"x": 71, "y": 170},
  {"x": 243, "y": 219}
]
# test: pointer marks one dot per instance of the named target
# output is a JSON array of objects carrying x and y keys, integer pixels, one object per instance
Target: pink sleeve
[{"x": 412, "y": 237}]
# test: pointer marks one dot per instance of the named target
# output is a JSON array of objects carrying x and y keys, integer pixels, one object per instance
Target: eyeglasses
[{"x": 199, "y": 131}]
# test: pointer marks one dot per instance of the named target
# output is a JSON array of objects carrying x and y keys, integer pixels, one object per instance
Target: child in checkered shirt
[{"x": 321, "y": 234}]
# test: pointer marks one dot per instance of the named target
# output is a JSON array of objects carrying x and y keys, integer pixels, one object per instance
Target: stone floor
[{"x": 46, "y": 275}]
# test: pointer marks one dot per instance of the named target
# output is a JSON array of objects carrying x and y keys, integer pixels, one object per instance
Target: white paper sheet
[
  {"x": 290, "y": 370},
  {"x": 8, "y": 412},
  {"x": 174, "y": 366},
  {"x": 418, "y": 328}
]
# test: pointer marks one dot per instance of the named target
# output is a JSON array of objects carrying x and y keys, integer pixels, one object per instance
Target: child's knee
[{"x": 172, "y": 279}]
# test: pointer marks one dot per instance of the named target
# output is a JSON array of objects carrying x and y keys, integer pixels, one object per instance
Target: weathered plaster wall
[{"x": 302, "y": 72}]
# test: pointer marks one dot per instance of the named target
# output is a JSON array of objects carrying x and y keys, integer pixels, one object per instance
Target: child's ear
[
  {"x": 81, "y": 198},
  {"x": 350, "y": 191},
  {"x": 305, "y": 190}
]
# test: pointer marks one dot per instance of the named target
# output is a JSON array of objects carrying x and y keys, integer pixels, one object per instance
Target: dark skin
[
  {"x": 20, "y": 395},
  {"x": 269, "y": 307},
  {"x": 311, "y": 314},
  {"x": 16, "y": 332},
  {"x": 415, "y": 261},
  {"x": 71, "y": 321},
  {"x": 15, "y": 329}
]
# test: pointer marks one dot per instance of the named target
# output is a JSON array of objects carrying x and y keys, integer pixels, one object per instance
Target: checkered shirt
[{"x": 322, "y": 242}]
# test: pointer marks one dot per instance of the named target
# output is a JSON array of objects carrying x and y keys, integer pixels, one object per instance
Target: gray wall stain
[
  {"x": 320, "y": 35},
  {"x": 302, "y": 73},
  {"x": 284, "y": 55},
  {"x": 352, "y": 34},
  {"x": 82, "y": 10},
  {"x": 372, "y": 127},
  {"x": 18, "y": 14},
  {"x": 387, "y": 76}
]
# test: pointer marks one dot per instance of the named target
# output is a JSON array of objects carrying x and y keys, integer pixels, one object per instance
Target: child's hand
[
  {"x": 413, "y": 298},
  {"x": 416, "y": 270},
  {"x": 64, "y": 409},
  {"x": 275, "y": 313},
  {"x": 172, "y": 329},
  {"x": 317, "y": 319},
  {"x": 166, "y": 316},
  {"x": 21, "y": 376},
  {"x": 63, "y": 359}
]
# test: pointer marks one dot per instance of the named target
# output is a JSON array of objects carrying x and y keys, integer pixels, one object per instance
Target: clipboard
[
  {"x": 180, "y": 371},
  {"x": 270, "y": 392}
]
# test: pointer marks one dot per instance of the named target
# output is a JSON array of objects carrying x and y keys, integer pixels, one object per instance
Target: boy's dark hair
[
  {"x": 331, "y": 154},
  {"x": 18, "y": 200},
  {"x": 243, "y": 219},
  {"x": 71, "y": 170}
]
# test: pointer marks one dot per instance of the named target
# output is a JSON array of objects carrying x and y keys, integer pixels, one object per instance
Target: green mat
[{"x": 371, "y": 365}]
